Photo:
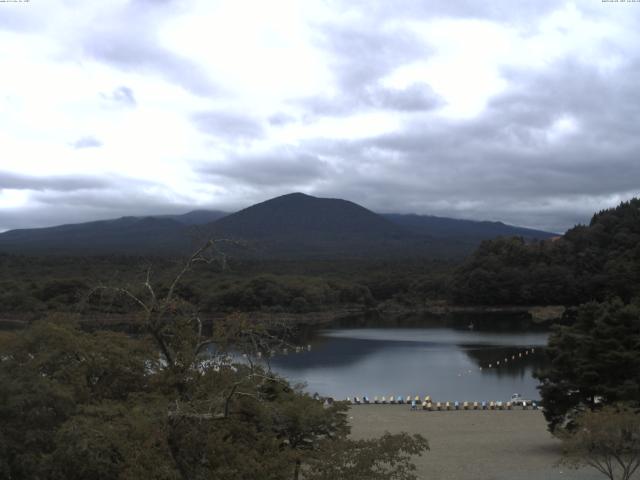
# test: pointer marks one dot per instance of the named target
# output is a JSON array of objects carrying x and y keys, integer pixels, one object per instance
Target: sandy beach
[{"x": 473, "y": 445}]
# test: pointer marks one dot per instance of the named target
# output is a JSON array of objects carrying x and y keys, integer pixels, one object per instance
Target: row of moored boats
[{"x": 427, "y": 404}]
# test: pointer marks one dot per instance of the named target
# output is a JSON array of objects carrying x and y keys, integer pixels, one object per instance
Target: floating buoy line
[{"x": 501, "y": 362}]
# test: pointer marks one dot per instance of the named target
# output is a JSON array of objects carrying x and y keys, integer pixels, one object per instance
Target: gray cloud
[
  {"x": 360, "y": 57},
  {"x": 121, "y": 95},
  {"x": 498, "y": 10},
  {"x": 127, "y": 39},
  {"x": 116, "y": 196},
  {"x": 279, "y": 119},
  {"x": 19, "y": 18},
  {"x": 124, "y": 36},
  {"x": 128, "y": 49},
  {"x": 43, "y": 215},
  {"x": 508, "y": 163},
  {"x": 86, "y": 142},
  {"x": 416, "y": 98},
  {"x": 282, "y": 168},
  {"x": 63, "y": 183},
  {"x": 228, "y": 125},
  {"x": 362, "y": 54},
  {"x": 75, "y": 198},
  {"x": 61, "y": 200}
]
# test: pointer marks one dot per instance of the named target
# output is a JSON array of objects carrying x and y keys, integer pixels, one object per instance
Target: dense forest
[
  {"x": 594, "y": 262},
  {"x": 35, "y": 286},
  {"x": 590, "y": 262}
]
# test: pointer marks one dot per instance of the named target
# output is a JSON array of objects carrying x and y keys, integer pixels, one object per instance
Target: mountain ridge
[{"x": 295, "y": 225}]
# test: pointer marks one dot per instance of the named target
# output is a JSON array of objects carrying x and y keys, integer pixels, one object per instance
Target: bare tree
[
  {"x": 607, "y": 440},
  {"x": 177, "y": 330}
]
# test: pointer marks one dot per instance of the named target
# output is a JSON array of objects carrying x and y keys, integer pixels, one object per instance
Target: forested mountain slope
[{"x": 590, "y": 262}]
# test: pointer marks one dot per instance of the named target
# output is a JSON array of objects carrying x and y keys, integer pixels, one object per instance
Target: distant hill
[
  {"x": 471, "y": 231},
  {"x": 129, "y": 235},
  {"x": 196, "y": 217},
  {"x": 294, "y": 225}
]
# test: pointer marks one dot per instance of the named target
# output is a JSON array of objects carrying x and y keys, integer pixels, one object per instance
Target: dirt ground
[{"x": 473, "y": 445}]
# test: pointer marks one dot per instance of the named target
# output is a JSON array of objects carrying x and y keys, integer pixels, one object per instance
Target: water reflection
[{"x": 443, "y": 362}]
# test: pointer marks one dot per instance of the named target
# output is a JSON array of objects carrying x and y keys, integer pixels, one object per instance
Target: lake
[{"x": 449, "y": 363}]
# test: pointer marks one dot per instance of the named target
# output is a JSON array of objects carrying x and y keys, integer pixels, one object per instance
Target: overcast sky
[{"x": 522, "y": 111}]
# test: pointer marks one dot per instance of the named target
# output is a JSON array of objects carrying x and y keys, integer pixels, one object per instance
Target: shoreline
[{"x": 124, "y": 321}]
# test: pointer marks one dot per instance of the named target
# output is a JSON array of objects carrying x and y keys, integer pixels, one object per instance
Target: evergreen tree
[{"x": 592, "y": 362}]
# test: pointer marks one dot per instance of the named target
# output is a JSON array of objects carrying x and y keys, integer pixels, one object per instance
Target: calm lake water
[{"x": 447, "y": 363}]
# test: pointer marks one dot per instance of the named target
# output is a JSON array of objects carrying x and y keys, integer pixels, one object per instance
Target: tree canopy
[
  {"x": 594, "y": 362},
  {"x": 594, "y": 262},
  {"x": 171, "y": 403}
]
